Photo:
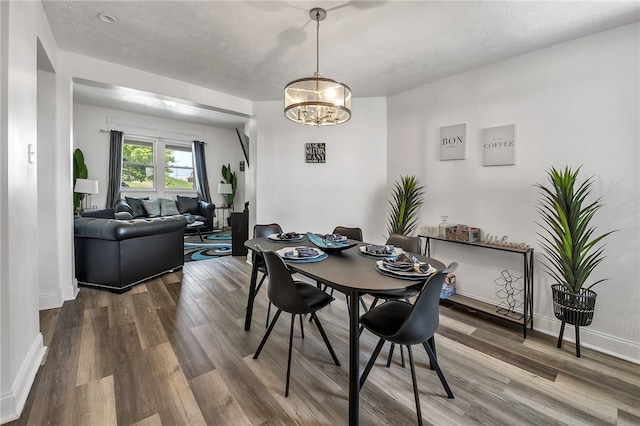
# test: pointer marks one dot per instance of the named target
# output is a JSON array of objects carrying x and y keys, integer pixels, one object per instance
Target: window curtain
[
  {"x": 202, "y": 182},
  {"x": 115, "y": 167}
]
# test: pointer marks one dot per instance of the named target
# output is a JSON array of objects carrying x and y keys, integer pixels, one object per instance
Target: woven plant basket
[{"x": 576, "y": 309}]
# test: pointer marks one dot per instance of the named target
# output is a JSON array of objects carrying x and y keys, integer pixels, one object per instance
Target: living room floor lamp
[
  {"x": 86, "y": 187},
  {"x": 225, "y": 189}
]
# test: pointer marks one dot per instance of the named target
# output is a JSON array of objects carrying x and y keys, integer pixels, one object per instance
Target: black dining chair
[
  {"x": 405, "y": 324},
  {"x": 411, "y": 245},
  {"x": 263, "y": 230},
  {"x": 351, "y": 233},
  {"x": 295, "y": 297}
]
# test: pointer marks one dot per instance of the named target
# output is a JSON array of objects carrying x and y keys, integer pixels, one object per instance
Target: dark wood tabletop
[{"x": 349, "y": 272}]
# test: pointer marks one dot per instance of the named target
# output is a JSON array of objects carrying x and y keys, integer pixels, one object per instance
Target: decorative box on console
[{"x": 463, "y": 233}]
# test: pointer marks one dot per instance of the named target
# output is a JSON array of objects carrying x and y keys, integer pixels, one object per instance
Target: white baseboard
[
  {"x": 69, "y": 291},
  {"x": 50, "y": 301},
  {"x": 12, "y": 403},
  {"x": 589, "y": 338}
]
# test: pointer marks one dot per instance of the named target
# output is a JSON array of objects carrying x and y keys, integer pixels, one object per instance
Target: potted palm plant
[
  {"x": 570, "y": 246},
  {"x": 407, "y": 198}
]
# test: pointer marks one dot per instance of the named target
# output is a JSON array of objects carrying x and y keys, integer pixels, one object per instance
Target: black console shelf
[{"x": 525, "y": 319}]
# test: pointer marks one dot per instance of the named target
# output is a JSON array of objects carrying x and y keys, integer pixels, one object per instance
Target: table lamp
[{"x": 86, "y": 187}]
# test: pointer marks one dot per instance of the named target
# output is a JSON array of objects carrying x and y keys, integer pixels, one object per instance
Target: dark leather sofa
[
  {"x": 199, "y": 210},
  {"x": 118, "y": 254}
]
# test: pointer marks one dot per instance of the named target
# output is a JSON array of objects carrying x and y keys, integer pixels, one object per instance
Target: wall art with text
[
  {"x": 499, "y": 145},
  {"x": 453, "y": 142}
]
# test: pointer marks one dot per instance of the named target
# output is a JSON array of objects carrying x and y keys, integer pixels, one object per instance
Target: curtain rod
[{"x": 147, "y": 136}]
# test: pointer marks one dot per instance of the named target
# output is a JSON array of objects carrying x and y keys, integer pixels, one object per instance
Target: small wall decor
[
  {"x": 499, "y": 145},
  {"x": 315, "y": 152},
  {"x": 453, "y": 142}
]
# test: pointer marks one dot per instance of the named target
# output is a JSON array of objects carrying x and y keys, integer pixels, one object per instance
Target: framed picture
[
  {"x": 315, "y": 153},
  {"x": 453, "y": 142},
  {"x": 499, "y": 145}
]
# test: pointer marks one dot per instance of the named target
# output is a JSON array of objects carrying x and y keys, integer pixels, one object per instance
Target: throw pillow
[
  {"x": 168, "y": 207},
  {"x": 136, "y": 206},
  {"x": 152, "y": 207},
  {"x": 187, "y": 204}
]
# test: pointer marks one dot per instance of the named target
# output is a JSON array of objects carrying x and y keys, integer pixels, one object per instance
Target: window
[
  {"x": 138, "y": 168},
  {"x": 144, "y": 167},
  {"x": 178, "y": 168}
]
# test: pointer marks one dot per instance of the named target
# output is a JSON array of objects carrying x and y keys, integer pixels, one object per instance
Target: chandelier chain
[{"x": 317, "y": 43}]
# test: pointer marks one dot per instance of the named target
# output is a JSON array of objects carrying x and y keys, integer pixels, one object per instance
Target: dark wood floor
[{"x": 174, "y": 351}]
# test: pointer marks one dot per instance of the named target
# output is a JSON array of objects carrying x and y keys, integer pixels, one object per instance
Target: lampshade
[
  {"x": 86, "y": 186},
  {"x": 317, "y": 101},
  {"x": 225, "y": 188}
]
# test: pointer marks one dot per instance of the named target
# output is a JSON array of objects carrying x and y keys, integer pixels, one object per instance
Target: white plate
[
  {"x": 340, "y": 240},
  {"x": 430, "y": 271},
  {"x": 276, "y": 238},
  {"x": 282, "y": 252},
  {"x": 397, "y": 251}
]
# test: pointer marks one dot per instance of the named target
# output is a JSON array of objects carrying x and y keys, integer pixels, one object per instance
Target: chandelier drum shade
[{"x": 317, "y": 101}]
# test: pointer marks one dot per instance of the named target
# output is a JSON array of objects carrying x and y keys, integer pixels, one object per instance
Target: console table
[{"x": 524, "y": 319}]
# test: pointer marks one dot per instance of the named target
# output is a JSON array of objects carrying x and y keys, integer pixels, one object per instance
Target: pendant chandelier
[{"x": 317, "y": 101}]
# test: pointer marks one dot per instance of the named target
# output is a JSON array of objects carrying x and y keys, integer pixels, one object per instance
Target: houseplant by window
[
  {"x": 407, "y": 198},
  {"x": 570, "y": 245}
]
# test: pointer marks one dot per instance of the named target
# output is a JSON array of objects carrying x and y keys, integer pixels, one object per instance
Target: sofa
[
  {"x": 117, "y": 254},
  {"x": 136, "y": 207}
]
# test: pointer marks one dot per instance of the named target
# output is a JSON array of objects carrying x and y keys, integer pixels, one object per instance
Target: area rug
[{"x": 214, "y": 245}]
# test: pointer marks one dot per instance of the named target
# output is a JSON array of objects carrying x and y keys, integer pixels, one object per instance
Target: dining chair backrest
[
  {"x": 410, "y": 244},
  {"x": 264, "y": 230},
  {"x": 282, "y": 289},
  {"x": 351, "y": 233},
  {"x": 423, "y": 321}
]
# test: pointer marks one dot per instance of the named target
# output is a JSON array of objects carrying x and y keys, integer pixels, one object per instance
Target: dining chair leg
[
  {"x": 364, "y": 305},
  {"x": 266, "y": 335},
  {"x": 293, "y": 321},
  {"x": 432, "y": 344},
  {"x": 434, "y": 364},
  {"x": 268, "y": 315},
  {"x": 391, "y": 348},
  {"x": 301, "y": 327},
  {"x": 325, "y": 338},
  {"x": 390, "y": 357},
  {"x": 416, "y": 393},
  {"x": 372, "y": 360}
]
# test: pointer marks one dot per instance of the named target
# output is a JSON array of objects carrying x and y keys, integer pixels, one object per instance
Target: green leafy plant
[
  {"x": 569, "y": 243},
  {"x": 407, "y": 198},
  {"x": 229, "y": 177},
  {"x": 79, "y": 172}
]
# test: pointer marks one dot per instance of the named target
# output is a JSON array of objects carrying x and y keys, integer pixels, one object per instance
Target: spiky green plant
[
  {"x": 407, "y": 198},
  {"x": 229, "y": 177},
  {"x": 571, "y": 248}
]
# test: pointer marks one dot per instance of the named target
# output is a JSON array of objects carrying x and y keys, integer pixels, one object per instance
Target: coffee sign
[
  {"x": 315, "y": 152},
  {"x": 453, "y": 142},
  {"x": 499, "y": 145}
]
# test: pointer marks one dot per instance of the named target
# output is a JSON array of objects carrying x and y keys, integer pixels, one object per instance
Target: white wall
[
  {"x": 222, "y": 146},
  {"x": 349, "y": 189},
  {"x": 21, "y": 349},
  {"x": 575, "y": 104}
]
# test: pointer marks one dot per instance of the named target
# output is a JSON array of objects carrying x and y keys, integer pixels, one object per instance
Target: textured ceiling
[{"x": 251, "y": 49}]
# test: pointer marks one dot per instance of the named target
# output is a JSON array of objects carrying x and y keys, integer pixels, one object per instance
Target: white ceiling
[{"x": 251, "y": 49}]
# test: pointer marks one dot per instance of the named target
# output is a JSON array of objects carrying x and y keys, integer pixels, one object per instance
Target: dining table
[{"x": 348, "y": 271}]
